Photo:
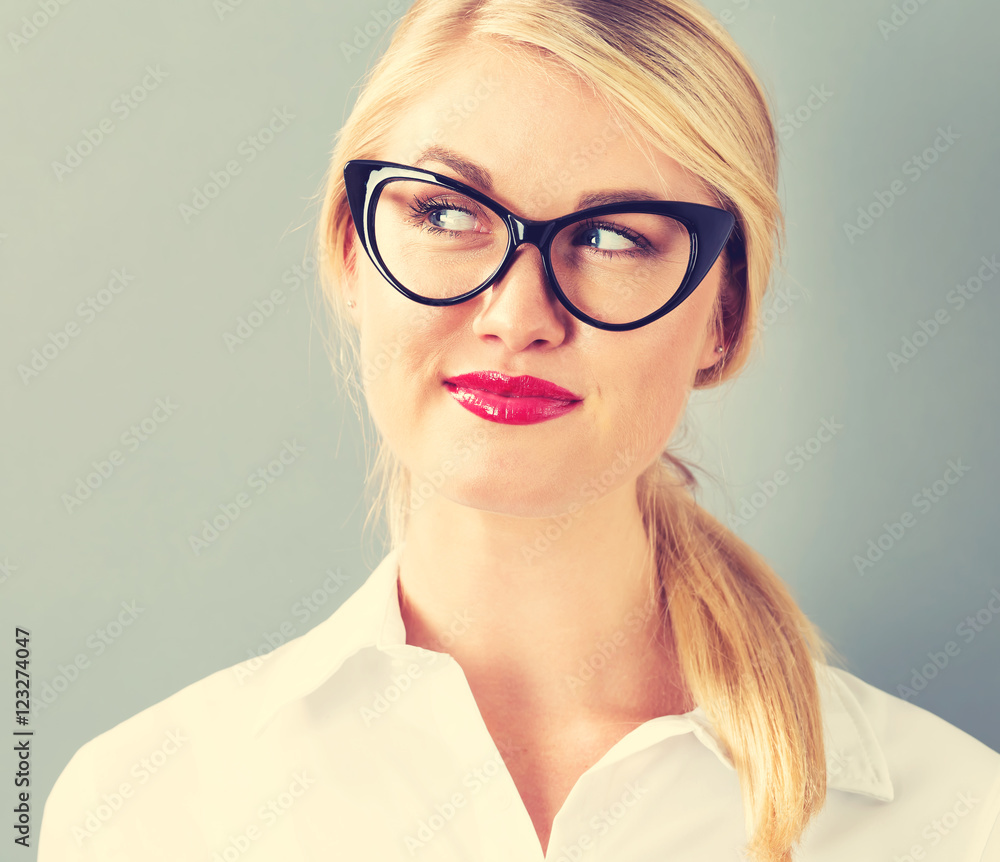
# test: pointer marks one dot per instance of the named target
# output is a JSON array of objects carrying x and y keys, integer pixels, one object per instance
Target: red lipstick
[{"x": 522, "y": 400}]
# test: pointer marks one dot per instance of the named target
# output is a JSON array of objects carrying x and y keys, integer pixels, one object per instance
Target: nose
[{"x": 520, "y": 309}]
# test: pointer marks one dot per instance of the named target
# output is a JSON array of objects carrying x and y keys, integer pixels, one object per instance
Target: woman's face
[{"x": 545, "y": 141}]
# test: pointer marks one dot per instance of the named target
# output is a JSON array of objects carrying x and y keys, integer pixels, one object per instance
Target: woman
[{"x": 517, "y": 678}]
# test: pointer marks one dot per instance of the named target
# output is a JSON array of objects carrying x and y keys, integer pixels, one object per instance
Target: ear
[
  {"x": 713, "y": 339},
  {"x": 727, "y": 304},
  {"x": 349, "y": 288}
]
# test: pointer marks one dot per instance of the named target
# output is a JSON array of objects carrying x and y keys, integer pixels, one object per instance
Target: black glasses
[{"x": 617, "y": 266}]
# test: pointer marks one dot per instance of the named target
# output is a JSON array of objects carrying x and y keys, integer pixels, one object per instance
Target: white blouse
[{"x": 348, "y": 744}]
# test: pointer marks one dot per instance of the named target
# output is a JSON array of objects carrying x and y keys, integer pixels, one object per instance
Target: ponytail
[{"x": 746, "y": 651}]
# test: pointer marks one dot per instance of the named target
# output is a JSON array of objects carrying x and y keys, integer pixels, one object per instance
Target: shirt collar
[{"x": 371, "y": 617}]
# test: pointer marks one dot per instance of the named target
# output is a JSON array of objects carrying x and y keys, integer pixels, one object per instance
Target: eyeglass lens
[{"x": 617, "y": 268}]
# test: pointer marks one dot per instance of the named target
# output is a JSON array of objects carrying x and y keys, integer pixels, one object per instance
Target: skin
[{"x": 521, "y": 624}]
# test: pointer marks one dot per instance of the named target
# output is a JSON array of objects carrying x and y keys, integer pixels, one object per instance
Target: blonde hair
[{"x": 674, "y": 74}]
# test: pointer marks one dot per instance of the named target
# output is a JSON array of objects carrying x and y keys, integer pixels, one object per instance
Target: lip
[{"x": 522, "y": 400}]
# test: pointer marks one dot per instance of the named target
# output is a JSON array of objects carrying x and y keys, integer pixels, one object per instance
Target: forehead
[{"x": 540, "y": 131}]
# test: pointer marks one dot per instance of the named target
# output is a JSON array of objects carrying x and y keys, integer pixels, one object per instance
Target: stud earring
[
  {"x": 718, "y": 348},
  {"x": 351, "y": 303}
]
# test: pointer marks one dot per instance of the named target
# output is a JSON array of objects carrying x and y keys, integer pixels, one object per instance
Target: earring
[
  {"x": 351, "y": 303},
  {"x": 718, "y": 348}
]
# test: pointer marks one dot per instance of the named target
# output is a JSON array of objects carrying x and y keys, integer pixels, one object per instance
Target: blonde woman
[{"x": 545, "y": 223}]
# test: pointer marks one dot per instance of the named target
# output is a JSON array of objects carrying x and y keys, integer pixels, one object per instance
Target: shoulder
[
  {"x": 941, "y": 784},
  {"x": 911, "y": 737},
  {"x": 191, "y": 744}
]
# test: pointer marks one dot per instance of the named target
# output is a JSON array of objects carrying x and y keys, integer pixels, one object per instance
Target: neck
[{"x": 563, "y": 611}]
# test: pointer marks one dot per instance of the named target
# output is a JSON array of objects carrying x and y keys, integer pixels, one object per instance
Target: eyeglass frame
[{"x": 709, "y": 229}]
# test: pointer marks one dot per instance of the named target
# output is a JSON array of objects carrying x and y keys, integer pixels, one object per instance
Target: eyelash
[
  {"x": 641, "y": 243},
  {"x": 422, "y": 206}
]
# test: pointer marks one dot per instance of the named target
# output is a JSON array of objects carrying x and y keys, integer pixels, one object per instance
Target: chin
[{"x": 504, "y": 493}]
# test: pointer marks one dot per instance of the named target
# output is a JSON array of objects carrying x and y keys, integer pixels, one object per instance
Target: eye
[
  {"x": 618, "y": 242},
  {"x": 610, "y": 239},
  {"x": 452, "y": 219},
  {"x": 440, "y": 216}
]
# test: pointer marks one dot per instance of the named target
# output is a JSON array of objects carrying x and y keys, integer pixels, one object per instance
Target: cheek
[
  {"x": 649, "y": 410},
  {"x": 392, "y": 329},
  {"x": 403, "y": 349},
  {"x": 651, "y": 384},
  {"x": 391, "y": 366}
]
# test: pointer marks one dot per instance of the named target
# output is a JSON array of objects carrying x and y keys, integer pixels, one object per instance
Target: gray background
[{"x": 162, "y": 337}]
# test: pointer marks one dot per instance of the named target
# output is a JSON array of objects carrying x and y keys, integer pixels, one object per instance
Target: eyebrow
[{"x": 477, "y": 175}]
